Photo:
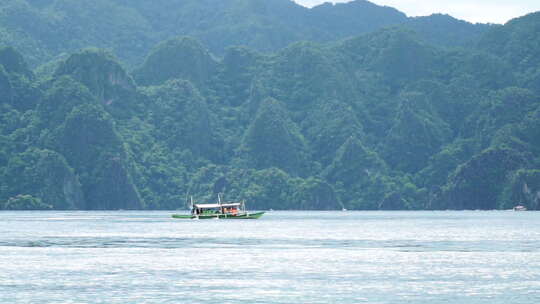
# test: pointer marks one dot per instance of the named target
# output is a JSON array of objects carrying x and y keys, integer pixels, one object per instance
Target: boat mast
[{"x": 219, "y": 202}]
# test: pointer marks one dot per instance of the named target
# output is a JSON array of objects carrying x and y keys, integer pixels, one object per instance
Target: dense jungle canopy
[{"x": 132, "y": 104}]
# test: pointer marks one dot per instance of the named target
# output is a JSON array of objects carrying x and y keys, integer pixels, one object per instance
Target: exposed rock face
[
  {"x": 73, "y": 191},
  {"x": 475, "y": 184},
  {"x": 114, "y": 188},
  {"x": 104, "y": 77},
  {"x": 316, "y": 194},
  {"x": 523, "y": 188},
  {"x": 74, "y": 109},
  {"x": 183, "y": 58},
  {"x": 91, "y": 144},
  {"x": 61, "y": 187},
  {"x": 45, "y": 175}
]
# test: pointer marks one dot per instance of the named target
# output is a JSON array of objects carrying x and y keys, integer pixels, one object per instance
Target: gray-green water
[{"x": 284, "y": 257}]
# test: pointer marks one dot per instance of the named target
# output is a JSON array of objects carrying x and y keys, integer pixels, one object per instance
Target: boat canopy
[{"x": 210, "y": 206}]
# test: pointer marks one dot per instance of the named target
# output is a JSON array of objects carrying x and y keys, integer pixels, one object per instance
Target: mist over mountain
[{"x": 117, "y": 104}]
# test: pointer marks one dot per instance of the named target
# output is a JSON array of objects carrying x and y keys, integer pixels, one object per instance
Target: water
[{"x": 284, "y": 257}]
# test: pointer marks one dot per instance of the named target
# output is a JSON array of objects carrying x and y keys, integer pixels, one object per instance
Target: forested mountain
[
  {"x": 43, "y": 30},
  {"x": 413, "y": 116}
]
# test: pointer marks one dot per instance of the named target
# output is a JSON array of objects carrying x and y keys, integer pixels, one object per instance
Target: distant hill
[
  {"x": 444, "y": 30},
  {"x": 517, "y": 42},
  {"x": 45, "y": 29}
]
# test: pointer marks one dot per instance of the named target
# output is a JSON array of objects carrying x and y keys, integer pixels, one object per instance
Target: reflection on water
[{"x": 284, "y": 257}]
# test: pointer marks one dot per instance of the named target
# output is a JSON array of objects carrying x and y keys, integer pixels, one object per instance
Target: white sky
[{"x": 484, "y": 11}]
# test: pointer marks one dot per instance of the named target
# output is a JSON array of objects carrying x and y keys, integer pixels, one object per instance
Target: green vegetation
[
  {"x": 432, "y": 114},
  {"x": 25, "y": 202},
  {"x": 44, "y": 30}
]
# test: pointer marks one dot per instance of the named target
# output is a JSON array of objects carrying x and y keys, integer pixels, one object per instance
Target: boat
[
  {"x": 227, "y": 210},
  {"x": 520, "y": 208}
]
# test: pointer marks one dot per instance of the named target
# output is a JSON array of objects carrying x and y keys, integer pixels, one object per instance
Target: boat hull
[{"x": 245, "y": 216}]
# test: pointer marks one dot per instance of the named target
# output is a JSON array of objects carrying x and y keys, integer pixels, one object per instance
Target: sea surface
[{"x": 284, "y": 257}]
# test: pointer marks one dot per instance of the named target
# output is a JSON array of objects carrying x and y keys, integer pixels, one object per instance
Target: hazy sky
[{"x": 493, "y": 11}]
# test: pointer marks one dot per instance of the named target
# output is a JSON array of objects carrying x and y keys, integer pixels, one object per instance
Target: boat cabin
[
  {"x": 221, "y": 210},
  {"x": 225, "y": 208}
]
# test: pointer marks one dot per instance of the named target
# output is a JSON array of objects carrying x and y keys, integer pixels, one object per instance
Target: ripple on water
[
  {"x": 273, "y": 243},
  {"x": 286, "y": 257}
]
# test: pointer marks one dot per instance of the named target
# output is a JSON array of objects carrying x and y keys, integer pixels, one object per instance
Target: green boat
[{"x": 228, "y": 210}]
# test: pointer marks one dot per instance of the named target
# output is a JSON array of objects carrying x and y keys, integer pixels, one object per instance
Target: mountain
[
  {"x": 48, "y": 29},
  {"x": 384, "y": 120},
  {"x": 517, "y": 43},
  {"x": 445, "y": 30}
]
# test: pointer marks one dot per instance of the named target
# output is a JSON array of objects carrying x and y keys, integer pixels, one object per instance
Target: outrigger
[{"x": 227, "y": 210}]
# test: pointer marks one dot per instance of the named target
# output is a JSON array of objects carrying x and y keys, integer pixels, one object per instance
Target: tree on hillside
[{"x": 273, "y": 140}]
